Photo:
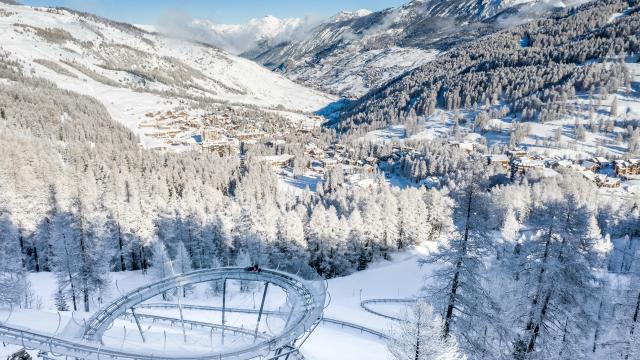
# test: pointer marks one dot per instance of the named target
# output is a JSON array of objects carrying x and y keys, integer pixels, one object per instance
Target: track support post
[
  {"x": 224, "y": 307},
  {"x": 135, "y": 317},
  {"x": 264, "y": 297}
]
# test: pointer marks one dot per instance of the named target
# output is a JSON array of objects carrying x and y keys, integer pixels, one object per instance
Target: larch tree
[
  {"x": 13, "y": 280},
  {"x": 419, "y": 337},
  {"x": 557, "y": 279},
  {"x": 161, "y": 266},
  {"x": 457, "y": 285}
]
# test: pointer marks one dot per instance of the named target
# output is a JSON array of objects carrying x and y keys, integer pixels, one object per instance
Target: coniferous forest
[{"x": 520, "y": 267}]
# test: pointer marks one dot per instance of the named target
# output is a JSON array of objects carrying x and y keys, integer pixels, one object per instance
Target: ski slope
[{"x": 133, "y": 72}]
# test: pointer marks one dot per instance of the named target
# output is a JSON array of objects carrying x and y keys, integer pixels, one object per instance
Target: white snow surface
[
  {"x": 174, "y": 71},
  {"x": 399, "y": 278}
]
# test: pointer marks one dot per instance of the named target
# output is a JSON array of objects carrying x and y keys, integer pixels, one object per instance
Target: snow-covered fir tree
[{"x": 419, "y": 337}]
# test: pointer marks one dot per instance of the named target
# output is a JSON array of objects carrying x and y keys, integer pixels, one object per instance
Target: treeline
[
  {"x": 529, "y": 270},
  {"x": 78, "y": 197},
  {"x": 533, "y": 68},
  {"x": 540, "y": 268}
]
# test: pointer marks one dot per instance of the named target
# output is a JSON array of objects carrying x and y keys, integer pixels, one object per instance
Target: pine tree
[
  {"x": 162, "y": 266},
  {"x": 13, "y": 282},
  {"x": 419, "y": 337},
  {"x": 557, "y": 277},
  {"x": 183, "y": 264},
  {"x": 61, "y": 300},
  {"x": 457, "y": 284},
  {"x": 510, "y": 226}
]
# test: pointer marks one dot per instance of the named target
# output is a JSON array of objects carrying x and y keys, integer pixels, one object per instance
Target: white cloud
[{"x": 239, "y": 38}]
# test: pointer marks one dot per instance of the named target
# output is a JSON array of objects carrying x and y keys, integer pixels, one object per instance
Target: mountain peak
[{"x": 348, "y": 15}]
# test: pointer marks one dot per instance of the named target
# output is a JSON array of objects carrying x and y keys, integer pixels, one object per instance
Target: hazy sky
[{"x": 222, "y": 11}]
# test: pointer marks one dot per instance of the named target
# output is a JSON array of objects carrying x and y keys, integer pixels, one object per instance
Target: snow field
[{"x": 400, "y": 278}]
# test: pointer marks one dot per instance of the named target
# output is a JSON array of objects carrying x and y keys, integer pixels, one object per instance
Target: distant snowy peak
[
  {"x": 134, "y": 70},
  {"x": 348, "y": 15},
  {"x": 253, "y": 37},
  {"x": 236, "y": 38}
]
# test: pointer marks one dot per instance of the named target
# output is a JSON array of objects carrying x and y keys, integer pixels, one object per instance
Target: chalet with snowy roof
[
  {"x": 604, "y": 181},
  {"x": 430, "y": 183},
  {"x": 522, "y": 165},
  {"x": 275, "y": 143},
  {"x": 469, "y": 147},
  {"x": 516, "y": 153},
  {"x": 330, "y": 162},
  {"x": 625, "y": 168},
  {"x": 313, "y": 150},
  {"x": 589, "y": 166},
  {"x": 223, "y": 147},
  {"x": 279, "y": 161},
  {"x": 500, "y": 159},
  {"x": 601, "y": 161}
]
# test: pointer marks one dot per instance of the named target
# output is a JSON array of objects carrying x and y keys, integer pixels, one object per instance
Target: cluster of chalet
[
  {"x": 626, "y": 168},
  {"x": 168, "y": 126},
  {"x": 600, "y": 170},
  {"x": 329, "y": 157},
  {"x": 218, "y": 132},
  {"x": 323, "y": 159},
  {"x": 226, "y": 138}
]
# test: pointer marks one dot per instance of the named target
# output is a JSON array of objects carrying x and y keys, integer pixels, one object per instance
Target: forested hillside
[
  {"x": 533, "y": 266},
  {"x": 534, "y": 68},
  {"x": 79, "y": 198},
  {"x": 352, "y": 53}
]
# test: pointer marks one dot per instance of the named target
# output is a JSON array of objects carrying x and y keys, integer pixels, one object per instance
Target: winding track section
[
  {"x": 326, "y": 320},
  {"x": 307, "y": 296},
  {"x": 366, "y": 306}
]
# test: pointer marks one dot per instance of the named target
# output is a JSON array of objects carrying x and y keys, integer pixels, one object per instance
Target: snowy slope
[
  {"x": 132, "y": 71},
  {"x": 382, "y": 280}
]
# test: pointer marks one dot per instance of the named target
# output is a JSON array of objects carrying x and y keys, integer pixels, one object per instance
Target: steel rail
[
  {"x": 310, "y": 298},
  {"x": 200, "y": 324},
  {"x": 362, "y": 329},
  {"x": 365, "y": 306}
]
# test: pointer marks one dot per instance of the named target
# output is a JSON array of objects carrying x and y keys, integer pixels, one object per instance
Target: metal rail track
[
  {"x": 365, "y": 306},
  {"x": 360, "y": 328},
  {"x": 309, "y": 295}
]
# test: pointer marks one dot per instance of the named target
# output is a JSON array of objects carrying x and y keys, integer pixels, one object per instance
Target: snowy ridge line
[
  {"x": 325, "y": 319},
  {"x": 308, "y": 294},
  {"x": 365, "y": 306}
]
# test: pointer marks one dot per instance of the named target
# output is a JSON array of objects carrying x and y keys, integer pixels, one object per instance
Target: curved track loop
[
  {"x": 345, "y": 324},
  {"x": 309, "y": 296},
  {"x": 365, "y": 306}
]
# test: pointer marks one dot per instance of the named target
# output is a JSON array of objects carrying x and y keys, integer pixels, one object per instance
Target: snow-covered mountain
[
  {"x": 133, "y": 71},
  {"x": 254, "y": 36},
  {"x": 350, "y": 55}
]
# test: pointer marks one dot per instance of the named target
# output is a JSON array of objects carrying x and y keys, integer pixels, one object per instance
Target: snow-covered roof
[
  {"x": 278, "y": 158},
  {"x": 498, "y": 158}
]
